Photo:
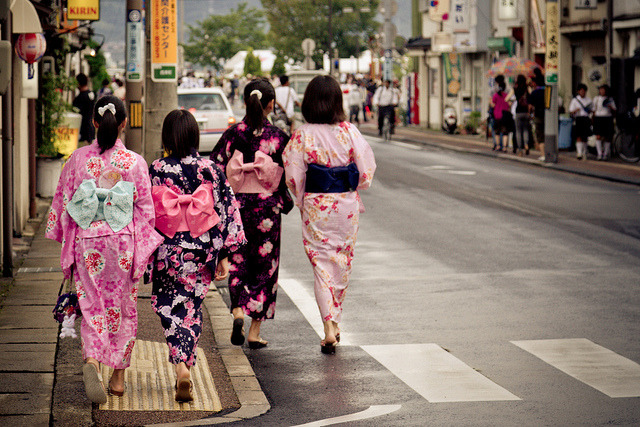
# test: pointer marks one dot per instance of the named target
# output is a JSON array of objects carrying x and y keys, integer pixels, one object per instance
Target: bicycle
[
  {"x": 386, "y": 128},
  {"x": 626, "y": 143}
]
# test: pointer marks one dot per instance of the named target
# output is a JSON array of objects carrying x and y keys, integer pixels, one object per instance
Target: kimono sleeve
[
  {"x": 231, "y": 222},
  {"x": 146, "y": 238},
  {"x": 295, "y": 168},
  {"x": 363, "y": 157},
  {"x": 221, "y": 153},
  {"x": 60, "y": 226}
]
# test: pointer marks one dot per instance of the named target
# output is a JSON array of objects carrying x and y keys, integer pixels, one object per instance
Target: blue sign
[{"x": 135, "y": 46}]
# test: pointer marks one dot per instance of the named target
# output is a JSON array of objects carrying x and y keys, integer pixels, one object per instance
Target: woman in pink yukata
[
  {"x": 199, "y": 215},
  {"x": 102, "y": 213},
  {"x": 326, "y": 161}
]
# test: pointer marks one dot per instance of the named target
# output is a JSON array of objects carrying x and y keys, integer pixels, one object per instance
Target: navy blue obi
[{"x": 339, "y": 179}]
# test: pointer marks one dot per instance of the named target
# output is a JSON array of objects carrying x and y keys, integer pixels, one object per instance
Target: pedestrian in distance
[
  {"x": 536, "y": 109},
  {"x": 84, "y": 102},
  {"x": 604, "y": 108},
  {"x": 286, "y": 100},
  {"x": 580, "y": 109},
  {"x": 522, "y": 119},
  {"x": 251, "y": 154},
  {"x": 102, "y": 213},
  {"x": 502, "y": 116},
  {"x": 105, "y": 89},
  {"x": 327, "y": 162},
  {"x": 386, "y": 99},
  {"x": 198, "y": 215}
]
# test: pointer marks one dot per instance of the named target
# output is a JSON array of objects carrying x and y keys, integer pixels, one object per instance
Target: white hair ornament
[
  {"x": 110, "y": 107},
  {"x": 257, "y": 93}
]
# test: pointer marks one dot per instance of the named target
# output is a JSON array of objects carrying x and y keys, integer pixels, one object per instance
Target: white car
[{"x": 212, "y": 111}]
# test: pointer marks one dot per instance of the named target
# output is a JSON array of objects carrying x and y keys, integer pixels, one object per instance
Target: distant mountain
[{"x": 113, "y": 12}]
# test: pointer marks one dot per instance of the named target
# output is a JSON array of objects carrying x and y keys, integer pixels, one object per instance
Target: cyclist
[{"x": 386, "y": 99}]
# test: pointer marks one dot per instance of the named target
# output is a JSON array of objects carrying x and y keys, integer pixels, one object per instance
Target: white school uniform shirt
[
  {"x": 600, "y": 110},
  {"x": 386, "y": 96},
  {"x": 286, "y": 96},
  {"x": 579, "y": 110}
]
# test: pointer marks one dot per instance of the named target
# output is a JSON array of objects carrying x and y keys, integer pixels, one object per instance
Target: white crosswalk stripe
[{"x": 594, "y": 365}]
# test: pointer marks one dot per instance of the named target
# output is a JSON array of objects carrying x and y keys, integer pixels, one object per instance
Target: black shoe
[
  {"x": 254, "y": 345},
  {"x": 237, "y": 336},
  {"x": 328, "y": 348}
]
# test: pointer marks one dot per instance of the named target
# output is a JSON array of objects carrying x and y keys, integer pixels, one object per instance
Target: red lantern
[{"x": 30, "y": 48}]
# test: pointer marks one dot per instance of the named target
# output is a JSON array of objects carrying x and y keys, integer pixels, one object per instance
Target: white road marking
[
  {"x": 307, "y": 305},
  {"x": 462, "y": 172},
  {"x": 436, "y": 167},
  {"x": 405, "y": 145},
  {"x": 594, "y": 365},
  {"x": 436, "y": 374},
  {"x": 371, "y": 412}
]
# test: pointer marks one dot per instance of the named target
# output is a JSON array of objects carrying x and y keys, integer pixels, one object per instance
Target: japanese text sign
[{"x": 164, "y": 40}]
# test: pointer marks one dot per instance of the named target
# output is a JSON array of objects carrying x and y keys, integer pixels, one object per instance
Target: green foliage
[
  {"x": 472, "y": 123},
  {"x": 292, "y": 21},
  {"x": 278, "y": 66},
  {"x": 97, "y": 66},
  {"x": 252, "y": 64},
  {"x": 51, "y": 105},
  {"x": 219, "y": 37}
]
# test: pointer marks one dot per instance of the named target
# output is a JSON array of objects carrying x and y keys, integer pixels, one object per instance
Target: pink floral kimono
[
  {"x": 106, "y": 264},
  {"x": 329, "y": 220}
]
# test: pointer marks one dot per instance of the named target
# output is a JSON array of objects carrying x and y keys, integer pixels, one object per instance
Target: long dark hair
[
  {"x": 108, "y": 122},
  {"x": 257, "y": 101},
  {"x": 322, "y": 102},
  {"x": 180, "y": 133}
]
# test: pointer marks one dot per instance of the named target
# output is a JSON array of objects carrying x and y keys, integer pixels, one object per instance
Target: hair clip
[
  {"x": 109, "y": 106},
  {"x": 257, "y": 93}
]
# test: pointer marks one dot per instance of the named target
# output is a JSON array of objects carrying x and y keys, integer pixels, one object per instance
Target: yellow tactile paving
[{"x": 150, "y": 382}]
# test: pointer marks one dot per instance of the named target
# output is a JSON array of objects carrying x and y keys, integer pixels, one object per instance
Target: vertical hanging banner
[
  {"x": 164, "y": 40},
  {"x": 83, "y": 10},
  {"x": 135, "y": 46},
  {"x": 452, "y": 72},
  {"x": 553, "y": 43}
]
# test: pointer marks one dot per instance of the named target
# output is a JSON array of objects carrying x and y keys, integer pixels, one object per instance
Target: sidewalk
[
  {"x": 613, "y": 170},
  {"x": 40, "y": 374}
]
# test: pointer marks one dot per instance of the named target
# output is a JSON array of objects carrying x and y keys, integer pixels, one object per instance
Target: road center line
[
  {"x": 586, "y": 361},
  {"x": 371, "y": 412}
]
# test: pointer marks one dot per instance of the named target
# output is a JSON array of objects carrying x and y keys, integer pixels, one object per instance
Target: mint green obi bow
[{"x": 90, "y": 203}]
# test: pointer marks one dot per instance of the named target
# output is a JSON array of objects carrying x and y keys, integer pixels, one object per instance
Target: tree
[
  {"x": 219, "y": 37},
  {"x": 252, "y": 64},
  {"x": 97, "y": 65},
  {"x": 278, "y": 66},
  {"x": 292, "y": 21}
]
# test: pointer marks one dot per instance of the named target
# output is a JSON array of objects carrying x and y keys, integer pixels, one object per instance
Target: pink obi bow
[
  {"x": 261, "y": 176},
  {"x": 184, "y": 212}
]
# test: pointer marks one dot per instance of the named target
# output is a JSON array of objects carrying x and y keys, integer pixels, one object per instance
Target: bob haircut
[
  {"x": 322, "y": 102},
  {"x": 180, "y": 133}
]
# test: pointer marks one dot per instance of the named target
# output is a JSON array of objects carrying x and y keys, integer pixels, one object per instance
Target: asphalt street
[{"x": 484, "y": 292}]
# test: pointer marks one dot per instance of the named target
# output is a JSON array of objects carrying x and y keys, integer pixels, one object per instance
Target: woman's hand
[{"x": 222, "y": 270}]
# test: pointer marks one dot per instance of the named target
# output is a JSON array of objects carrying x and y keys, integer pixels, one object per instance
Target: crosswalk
[{"x": 439, "y": 376}]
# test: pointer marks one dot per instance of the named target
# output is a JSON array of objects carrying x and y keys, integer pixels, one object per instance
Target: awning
[
  {"x": 419, "y": 43},
  {"x": 25, "y": 17},
  {"x": 499, "y": 44}
]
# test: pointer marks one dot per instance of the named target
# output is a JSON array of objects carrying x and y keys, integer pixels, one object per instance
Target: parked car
[{"x": 212, "y": 111}]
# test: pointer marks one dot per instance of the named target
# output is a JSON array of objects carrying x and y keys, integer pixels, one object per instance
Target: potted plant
[{"x": 472, "y": 123}]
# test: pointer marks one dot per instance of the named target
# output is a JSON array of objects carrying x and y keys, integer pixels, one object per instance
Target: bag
[{"x": 67, "y": 304}]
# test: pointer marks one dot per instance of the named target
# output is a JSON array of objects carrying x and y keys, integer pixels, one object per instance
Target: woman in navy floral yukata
[
  {"x": 197, "y": 212},
  {"x": 251, "y": 154}
]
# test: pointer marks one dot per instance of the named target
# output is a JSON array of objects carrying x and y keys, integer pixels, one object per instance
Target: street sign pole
[
  {"x": 551, "y": 79},
  {"x": 135, "y": 74}
]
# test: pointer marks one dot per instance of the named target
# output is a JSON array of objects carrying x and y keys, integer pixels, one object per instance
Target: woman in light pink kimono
[
  {"x": 326, "y": 161},
  {"x": 102, "y": 213}
]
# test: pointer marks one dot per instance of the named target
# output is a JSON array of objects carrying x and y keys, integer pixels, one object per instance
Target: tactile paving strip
[{"x": 150, "y": 383}]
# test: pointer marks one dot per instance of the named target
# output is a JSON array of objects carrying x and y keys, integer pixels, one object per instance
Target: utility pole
[
  {"x": 609, "y": 46},
  {"x": 526, "y": 37},
  {"x": 161, "y": 95}
]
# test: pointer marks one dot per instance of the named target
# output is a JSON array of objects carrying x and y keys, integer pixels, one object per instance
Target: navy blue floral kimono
[
  {"x": 183, "y": 266},
  {"x": 253, "y": 271}
]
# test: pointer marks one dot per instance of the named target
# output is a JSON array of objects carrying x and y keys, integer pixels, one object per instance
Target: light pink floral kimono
[
  {"x": 329, "y": 220},
  {"x": 106, "y": 265}
]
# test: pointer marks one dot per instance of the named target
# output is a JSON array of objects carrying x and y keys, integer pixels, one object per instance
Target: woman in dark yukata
[{"x": 251, "y": 154}]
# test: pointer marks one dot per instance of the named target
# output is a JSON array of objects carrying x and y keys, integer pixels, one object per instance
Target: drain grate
[{"x": 150, "y": 383}]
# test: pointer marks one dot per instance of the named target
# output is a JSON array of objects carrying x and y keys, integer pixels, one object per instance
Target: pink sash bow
[
  {"x": 261, "y": 176},
  {"x": 184, "y": 212}
]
